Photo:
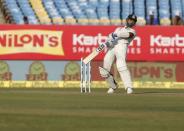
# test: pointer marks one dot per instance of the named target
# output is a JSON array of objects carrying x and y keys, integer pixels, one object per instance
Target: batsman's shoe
[
  {"x": 129, "y": 90},
  {"x": 110, "y": 91}
]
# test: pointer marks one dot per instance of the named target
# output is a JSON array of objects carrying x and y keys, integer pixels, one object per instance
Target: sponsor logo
[
  {"x": 71, "y": 72},
  {"x": 5, "y": 73},
  {"x": 163, "y": 41},
  {"x": 31, "y": 41},
  {"x": 87, "y": 40},
  {"x": 100, "y": 48},
  {"x": 37, "y": 72},
  {"x": 87, "y": 43},
  {"x": 150, "y": 71},
  {"x": 167, "y": 45}
]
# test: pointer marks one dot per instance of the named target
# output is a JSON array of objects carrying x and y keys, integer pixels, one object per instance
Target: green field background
[{"x": 69, "y": 110}]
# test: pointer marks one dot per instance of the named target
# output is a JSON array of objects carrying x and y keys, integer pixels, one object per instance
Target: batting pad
[{"x": 109, "y": 78}]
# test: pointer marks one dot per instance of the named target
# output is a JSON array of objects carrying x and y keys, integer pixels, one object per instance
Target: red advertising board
[{"x": 42, "y": 42}]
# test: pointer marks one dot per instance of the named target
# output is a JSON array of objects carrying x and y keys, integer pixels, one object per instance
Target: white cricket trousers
[{"x": 119, "y": 52}]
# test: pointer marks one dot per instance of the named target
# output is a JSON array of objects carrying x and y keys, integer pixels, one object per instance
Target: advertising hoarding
[{"x": 41, "y": 42}]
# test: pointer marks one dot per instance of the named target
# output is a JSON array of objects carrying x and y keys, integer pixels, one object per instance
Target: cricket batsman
[{"x": 117, "y": 44}]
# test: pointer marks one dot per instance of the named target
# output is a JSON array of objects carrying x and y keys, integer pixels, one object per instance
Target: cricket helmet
[{"x": 131, "y": 17}]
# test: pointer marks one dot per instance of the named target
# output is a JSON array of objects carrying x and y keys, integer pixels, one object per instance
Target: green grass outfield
[{"x": 69, "y": 110}]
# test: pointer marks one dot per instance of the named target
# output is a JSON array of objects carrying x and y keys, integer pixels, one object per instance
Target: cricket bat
[{"x": 91, "y": 56}]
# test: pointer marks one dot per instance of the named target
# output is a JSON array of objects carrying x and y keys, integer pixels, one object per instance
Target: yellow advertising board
[{"x": 94, "y": 84}]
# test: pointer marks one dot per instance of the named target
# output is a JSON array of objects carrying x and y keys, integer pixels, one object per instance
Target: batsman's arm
[
  {"x": 124, "y": 34},
  {"x": 109, "y": 44}
]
